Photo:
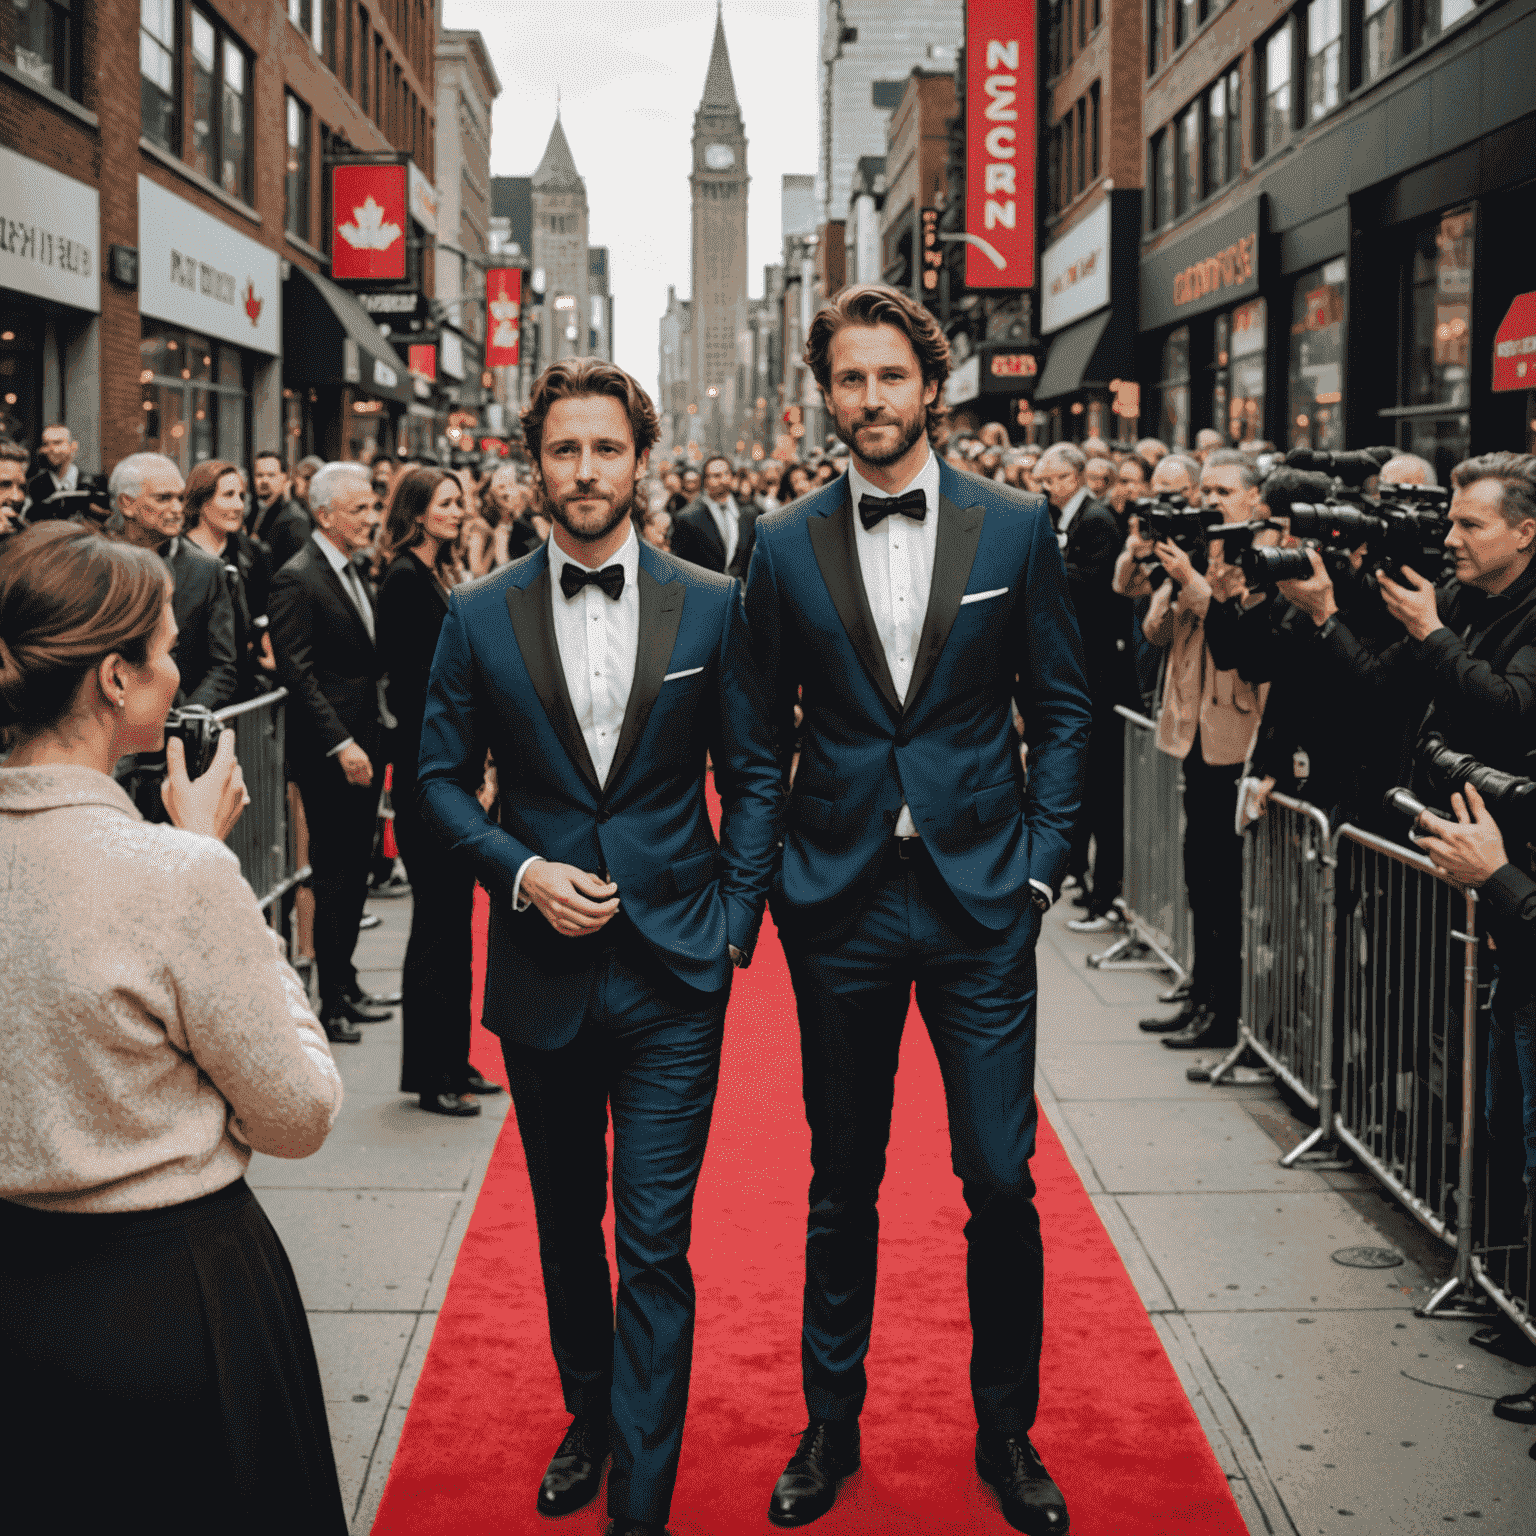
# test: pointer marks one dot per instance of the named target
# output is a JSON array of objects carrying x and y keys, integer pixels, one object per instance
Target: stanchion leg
[
  {"x": 1138, "y": 956},
  {"x": 1318, "y": 1153},
  {"x": 1457, "y": 1300},
  {"x": 1231, "y": 1059}
]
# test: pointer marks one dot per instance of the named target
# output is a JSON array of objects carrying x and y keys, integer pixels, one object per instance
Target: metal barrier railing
[
  {"x": 1158, "y": 935},
  {"x": 1288, "y": 961},
  {"x": 263, "y": 839}
]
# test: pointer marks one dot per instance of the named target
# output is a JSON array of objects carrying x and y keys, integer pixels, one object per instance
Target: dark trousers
[
  {"x": 435, "y": 979},
  {"x": 1101, "y": 818},
  {"x": 1213, "y": 879},
  {"x": 340, "y": 819},
  {"x": 649, "y": 1050},
  {"x": 976, "y": 992}
]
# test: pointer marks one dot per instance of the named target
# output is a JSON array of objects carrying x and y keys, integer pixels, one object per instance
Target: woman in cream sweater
[{"x": 150, "y": 1326}]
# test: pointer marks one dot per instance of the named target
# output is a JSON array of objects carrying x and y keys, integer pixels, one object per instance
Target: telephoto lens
[
  {"x": 1510, "y": 798},
  {"x": 1353, "y": 468},
  {"x": 1264, "y": 566}
]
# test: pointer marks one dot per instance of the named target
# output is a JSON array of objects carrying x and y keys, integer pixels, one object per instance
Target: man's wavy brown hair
[
  {"x": 574, "y": 377},
  {"x": 880, "y": 304}
]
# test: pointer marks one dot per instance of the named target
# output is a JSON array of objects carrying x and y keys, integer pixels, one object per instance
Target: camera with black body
[
  {"x": 1510, "y": 797},
  {"x": 1169, "y": 516},
  {"x": 199, "y": 731}
]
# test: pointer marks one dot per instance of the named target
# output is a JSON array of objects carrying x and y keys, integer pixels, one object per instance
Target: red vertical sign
[
  {"x": 503, "y": 308},
  {"x": 1000, "y": 118},
  {"x": 369, "y": 238}
]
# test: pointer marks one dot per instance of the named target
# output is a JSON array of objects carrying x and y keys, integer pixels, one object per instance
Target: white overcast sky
[{"x": 630, "y": 75}]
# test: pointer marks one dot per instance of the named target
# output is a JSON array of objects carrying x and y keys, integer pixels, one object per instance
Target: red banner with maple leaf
[{"x": 369, "y": 237}]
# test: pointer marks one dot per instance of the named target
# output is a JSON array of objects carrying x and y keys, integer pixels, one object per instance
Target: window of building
[
  {"x": 1325, "y": 57},
  {"x": 1053, "y": 47},
  {"x": 1066, "y": 32},
  {"x": 1186, "y": 154},
  {"x": 1067, "y": 181},
  {"x": 1159, "y": 180},
  {"x": 1437, "y": 341},
  {"x": 1317, "y": 359},
  {"x": 1082, "y": 142},
  {"x": 1245, "y": 347},
  {"x": 221, "y": 107},
  {"x": 1053, "y": 170},
  {"x": 346, "y": 43},
  {"x": 195, "y": 400},
  {"x": 1098, "y": 13},
  {"x": 1380, "y": 38},
  {"x": 1157, "y": 42},
  {"x": 1094, "y": 126},
  {"x": 1427, "y": 19},
  {"x": 1184, "y": 21},
  {"x": 362, "y": 61},
  {"x": 1082, "y": 23},
  {"x": 379, "y": 79},
  {"x": 44, "y": 45},
  {"x": 296, "y": 169},
  {"x": 1276, "y": 112},
  {"x": 1175, "y": 389},
  {"x": 157, "y": 72}
]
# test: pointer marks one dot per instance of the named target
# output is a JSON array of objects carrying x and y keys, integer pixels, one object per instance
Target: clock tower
[{"x": 718, "y": 181}]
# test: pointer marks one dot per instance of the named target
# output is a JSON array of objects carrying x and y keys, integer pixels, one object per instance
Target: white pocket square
[
  {"x": 981, "y": 597},
  {"x": 672, "y": 677}
]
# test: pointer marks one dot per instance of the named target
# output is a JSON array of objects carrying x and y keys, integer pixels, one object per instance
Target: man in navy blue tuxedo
[
  {"x": 909, "y": 607},
  {"x": 599, "y": 671}
]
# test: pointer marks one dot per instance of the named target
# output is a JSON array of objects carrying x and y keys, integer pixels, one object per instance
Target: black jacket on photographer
[
  {"x": 205, "y": 617},
  {"x": 1473, "y": 680}
]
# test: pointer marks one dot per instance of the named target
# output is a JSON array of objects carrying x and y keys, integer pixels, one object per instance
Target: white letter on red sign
[
  {"x": 1000, "y": 178},
  {"x": 996, "y": 139},
  {"x": 1001, "y": 89},
  {"x": 996, "y": 213}
]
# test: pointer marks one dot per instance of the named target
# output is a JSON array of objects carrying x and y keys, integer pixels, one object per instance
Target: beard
[
  {"x": 591, "y": 529},
  {"x": 909, "y": 430}
]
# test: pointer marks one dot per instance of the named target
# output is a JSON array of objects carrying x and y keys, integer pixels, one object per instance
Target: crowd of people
[{"x": 1321, "y": 627}]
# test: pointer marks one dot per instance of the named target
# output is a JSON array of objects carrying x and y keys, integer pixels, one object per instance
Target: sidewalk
[{"x": 1330, "y": 1406}]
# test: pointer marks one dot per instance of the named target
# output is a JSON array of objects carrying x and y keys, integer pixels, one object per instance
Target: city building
[
  {"x": 914, "y": 165},
  {"x": 511, "y": 245},
  {"x": 600, "y": 303},
  {"x": 863, "y": 260},
  {"x": 154, "y": 306},
  {"x": 561, "y": 274},
  {"x": 800, "y": 405},
  {"x": 1337, "y": 210},
  {"x": 674, "y": 383}
]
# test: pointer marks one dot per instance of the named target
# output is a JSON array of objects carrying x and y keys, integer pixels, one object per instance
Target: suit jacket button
[{"x": 603, "y": 816}]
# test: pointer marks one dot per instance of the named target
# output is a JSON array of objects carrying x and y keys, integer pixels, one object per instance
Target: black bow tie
[
  {"x": 610, "y": 579},
  {"x": 872, "y": 509}
]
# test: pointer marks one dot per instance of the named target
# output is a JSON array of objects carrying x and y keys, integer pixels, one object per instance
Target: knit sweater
[{"x": 153, "y": 1033}]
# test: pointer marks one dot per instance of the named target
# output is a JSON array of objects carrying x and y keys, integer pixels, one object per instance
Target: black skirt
[{"x": 160, "y": 1372}]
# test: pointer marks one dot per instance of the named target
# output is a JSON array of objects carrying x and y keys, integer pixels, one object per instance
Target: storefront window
[
  {"x": 1437, "y": 342},
  {"x": 1175, "y": 389},
  {"x": 194, "y": 401},
  {"x": 1317, "y": 358},
  {"x": 1245, "y": 404}
]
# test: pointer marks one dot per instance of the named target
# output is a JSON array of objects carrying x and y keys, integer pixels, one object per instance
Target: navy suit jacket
[
  {"x": 497, "y": 683},
  {"x": 999, "y": 626}
]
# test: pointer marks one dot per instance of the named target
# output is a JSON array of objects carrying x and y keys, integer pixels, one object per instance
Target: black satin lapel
[
  {"x": 954, "y": 554},
  {"x": 533, "y": 623},
  {"x": 661, "y": 615},
  {"x": 832, "y": 542}
]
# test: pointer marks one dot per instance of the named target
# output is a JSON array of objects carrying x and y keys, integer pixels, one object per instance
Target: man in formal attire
[
  {"x": 1091, "y": 539},
  {"x": 281, "y": 523},
  {"x": 320, "y": 616},
  {"x": 146, "y": 493},
  {"x": 716, "y": 530},
  {"x": 909, "y": 607},
  {"x": 59, "y": 472},
  {"x": 13, "y": 487},
  {"x": 605, "y": 670}
]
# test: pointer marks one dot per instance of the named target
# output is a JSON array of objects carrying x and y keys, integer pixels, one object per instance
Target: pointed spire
[
  {"x": 557, "y": 170},
  {"x": 719, "y": 85}
]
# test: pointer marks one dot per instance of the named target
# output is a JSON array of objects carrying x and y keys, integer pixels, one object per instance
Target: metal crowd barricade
[
  {"x": 1158, "y": 936},
  {"x": 1407, "y": 1029},
  {"x": 1288, "y": 961},
  {"x": 263, "y": 839}
]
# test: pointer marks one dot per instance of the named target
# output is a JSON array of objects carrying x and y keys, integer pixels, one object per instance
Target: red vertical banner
[
  {"x": 1000, "y": 134},
  {"x": 503, "y": 308},
  {"x": 369, "y": 238}
]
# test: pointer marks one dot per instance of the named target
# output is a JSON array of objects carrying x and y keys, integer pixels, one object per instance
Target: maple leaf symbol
[
  {"x": 370, "y": 232},
  {"x": 252, "y": 303}
]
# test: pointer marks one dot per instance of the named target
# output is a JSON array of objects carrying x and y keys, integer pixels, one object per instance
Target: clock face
[{"x": 719, "y": 157}]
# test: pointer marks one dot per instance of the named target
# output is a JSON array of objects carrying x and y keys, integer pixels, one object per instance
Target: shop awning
[
  {"x": 329, "y": 338},
  {"x": 1086, "y": 356}
]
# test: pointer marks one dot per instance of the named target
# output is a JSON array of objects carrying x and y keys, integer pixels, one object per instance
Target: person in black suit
[
  {"x": 426, "y": 510},
  {"x": 147, "y": 498},
  {"x": 59, "y": 472},
  {"x": 1091, "y": 540},
  {"x": 715, "y": 530},
  {"x": 322, "y": 624},
  {"x": 275, "y": 518}
]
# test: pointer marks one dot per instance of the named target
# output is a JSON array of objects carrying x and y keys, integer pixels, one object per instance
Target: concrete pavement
[{"x": 1330, "y": 1406}]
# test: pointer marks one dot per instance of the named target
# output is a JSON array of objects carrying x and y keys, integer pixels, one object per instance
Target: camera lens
[{"x": 1264, "y": 567}]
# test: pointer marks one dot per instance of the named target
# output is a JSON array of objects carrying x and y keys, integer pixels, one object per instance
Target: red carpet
[{"x": 1115, "y": 1426}]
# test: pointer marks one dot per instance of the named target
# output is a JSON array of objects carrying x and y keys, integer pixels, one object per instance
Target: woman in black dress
[{"x": 426, "y": 509}]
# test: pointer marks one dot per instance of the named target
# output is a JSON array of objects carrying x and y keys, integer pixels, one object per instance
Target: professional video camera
[
  {"x": 199, "y": 732},
  {"x": 1510, "y": 798}
]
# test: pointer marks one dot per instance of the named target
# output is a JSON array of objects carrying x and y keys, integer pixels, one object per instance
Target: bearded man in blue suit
[
  {"x": 908, "y": 608},
  {"x": 598, "y": 672}
]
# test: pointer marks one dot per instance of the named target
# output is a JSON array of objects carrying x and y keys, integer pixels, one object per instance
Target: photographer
[
  {"x": 1208, "y": 719},
  {"x": 1467, "y": 666},
  {"x": 155, "y": 1037}
]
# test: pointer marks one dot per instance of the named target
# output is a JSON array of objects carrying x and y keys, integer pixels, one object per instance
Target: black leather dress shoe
[
  {"x": 374, "y": 999},
  {"x": 1180, "y": 1021},
  {"x": 1205, "y": 1032},
  {"x": 357, "y": 1013},
  {"x": 449, "y": 1104},
  {"x": 1518, "y": 1407},
  {"x": 477, "y": 1084},
  {"x": 808, "y": 1488},
  {"x": 576, "y": 1468},
  {"x": 1031, "y": 1501},
  {"x": 339, "y": 1032}
]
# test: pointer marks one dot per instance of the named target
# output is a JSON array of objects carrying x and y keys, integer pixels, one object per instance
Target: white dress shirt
[
  {"x": 1070, "y": 511},
  {"x": 727, "y": 518},
  {"x": 896, "y": 562},
  {"x": 598, "y": 639}
]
